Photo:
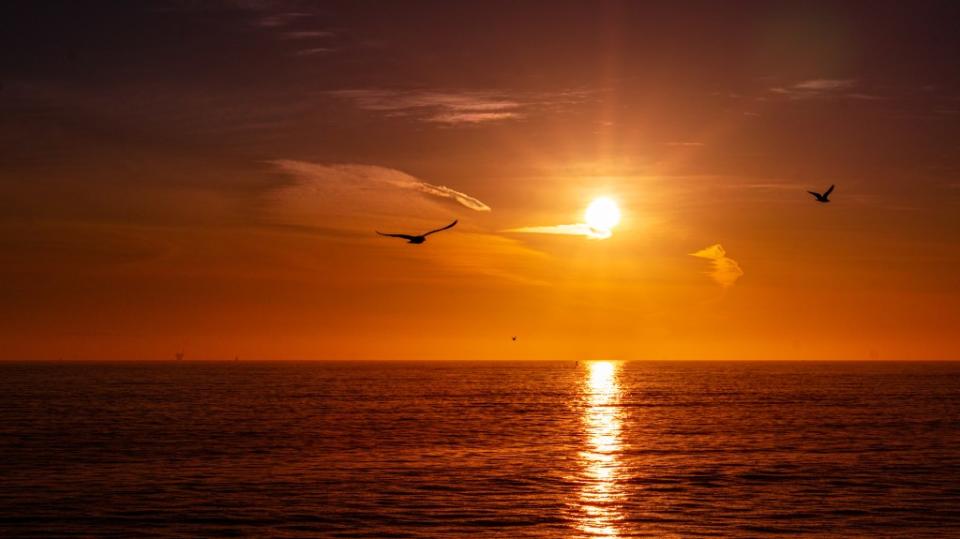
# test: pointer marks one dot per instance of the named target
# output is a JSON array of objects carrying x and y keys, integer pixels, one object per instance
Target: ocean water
[{"x": 405, "y": 449}]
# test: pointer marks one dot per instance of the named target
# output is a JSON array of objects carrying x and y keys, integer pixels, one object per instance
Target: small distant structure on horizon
[{"x": 179, "y": 356}]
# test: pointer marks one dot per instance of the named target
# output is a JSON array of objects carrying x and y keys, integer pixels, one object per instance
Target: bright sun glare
[{"x": 602, "y": 214}]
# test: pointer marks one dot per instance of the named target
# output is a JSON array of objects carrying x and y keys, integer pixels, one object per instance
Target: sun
[{"x": 602, "y": 214}]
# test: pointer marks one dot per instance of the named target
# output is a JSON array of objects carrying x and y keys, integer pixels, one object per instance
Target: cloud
[
  {"x": 346, "y": 196},
  {"x": 440, "y": 107},
  {"x": 297, "y": 28},
  {"x": 282, "y": 19},
  {"x": 472, "y": 117},
  {"x": 864, "y": 97},
  {"x": 367, "y": 176},
  {"x": 685, "y": 144},
  {"x": 726, "y": 271},
  {"x": 314, "y": 51},
  {"x": 442, "y": 191},
  {"x": 453, "y": 108},
  {"x": 579, "y": 229},
  {"x": 816, "y": 88},
  {"x": 306, "y": 34},
  {"x": 821, "y": 85}
]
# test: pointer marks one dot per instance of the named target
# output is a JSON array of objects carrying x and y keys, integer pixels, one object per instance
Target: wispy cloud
[
  {"x": 818, "y": 88},
  {"x": 313, "y": 51},
  {"x": 440, "y": 107},
  {"x": 685, "y": 144},
  {"x": 282, "y": 19},
  {"x": 360, "y": 188},
  {"x": 864, "y": 97},
  {"x": 725, "y": 270},
  {"x": 301, "y": 30},
  {"x": 472, "y": 117},
  {"x": 578, "y": 229},
  {"x": 823, "y": 85},
  {"x": 453, "y": 107},
  {"x": 306, "y": 34},
  {"x": 464, "y": 199}
]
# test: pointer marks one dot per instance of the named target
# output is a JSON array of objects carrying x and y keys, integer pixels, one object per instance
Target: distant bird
[
  {"x": 825, "y": 197},
  {"x": 514, "y": 338},
  {"x": 411, "y": 238}
]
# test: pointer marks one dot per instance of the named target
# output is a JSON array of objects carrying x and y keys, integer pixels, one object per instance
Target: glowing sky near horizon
[{"x": 207, "y": 177}]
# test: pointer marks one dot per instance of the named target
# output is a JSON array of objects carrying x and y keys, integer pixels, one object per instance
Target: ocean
[{"x": 479, "y": 449}]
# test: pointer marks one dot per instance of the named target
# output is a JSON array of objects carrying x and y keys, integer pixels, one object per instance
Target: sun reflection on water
[{"x": 601, "y": 494}]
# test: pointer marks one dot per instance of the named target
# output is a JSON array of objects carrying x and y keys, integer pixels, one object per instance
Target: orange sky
[{"x": 209, "y": 179}]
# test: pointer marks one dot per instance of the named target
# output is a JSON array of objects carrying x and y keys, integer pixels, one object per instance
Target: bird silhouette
[
  {"x": 417, "y": 239},
  {"x": 825, "y": 197},
  {"x": 514, "y": 338}
]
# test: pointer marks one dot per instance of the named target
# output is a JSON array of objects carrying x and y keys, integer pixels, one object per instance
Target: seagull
[
  {"x": 825, "y": 197},
  {"x": 417, "y": 239}
]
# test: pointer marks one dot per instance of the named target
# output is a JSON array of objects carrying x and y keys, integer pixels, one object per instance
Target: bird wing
[
  {"x": 827, "y": 193},
  {"x": 451, "y": 225},
  {"x": 818, "y": 195},
  {"x": 404, "y": 236}
]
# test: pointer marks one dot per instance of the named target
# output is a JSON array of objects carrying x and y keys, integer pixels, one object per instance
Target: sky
[{"x": 208, "y": 177}]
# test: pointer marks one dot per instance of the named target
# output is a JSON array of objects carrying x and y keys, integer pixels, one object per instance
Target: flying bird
[
  {"x": 415, "y": 239},
  {"x": 825, "y": 197}
]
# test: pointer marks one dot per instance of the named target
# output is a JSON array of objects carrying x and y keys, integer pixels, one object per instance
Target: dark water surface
[{"x": 479, "y": 449}]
